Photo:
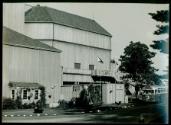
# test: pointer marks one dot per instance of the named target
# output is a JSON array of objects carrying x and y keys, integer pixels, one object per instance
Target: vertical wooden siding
[
  {"x": 29, "y": 65},
  {"x": 113, "y": 93},
  {"x": 63, "y": 33},
  {"x": 13, "y": 16},
  {"x": 66, "y": 92},
  {"x": 39, "y": 30},
  {"x": 82, "y": 37},
  {"x": 72, "y": 53}
]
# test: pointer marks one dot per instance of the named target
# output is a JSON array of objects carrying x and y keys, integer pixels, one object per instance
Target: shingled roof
[
  {"x": 11, "y": 37},
  {"x": 46, "y": 14}
]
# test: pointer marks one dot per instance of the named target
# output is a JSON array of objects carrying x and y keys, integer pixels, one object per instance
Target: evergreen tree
[{"x": 161, "y": 16}]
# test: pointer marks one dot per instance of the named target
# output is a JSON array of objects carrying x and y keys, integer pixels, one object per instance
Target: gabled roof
[
  {"x": 46, "y": 14},
  {"x": 11, "y": 37}
]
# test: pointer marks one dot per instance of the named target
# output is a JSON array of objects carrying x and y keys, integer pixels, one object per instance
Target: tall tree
[
  {"x": 161, "y": 16},
  {"x": 137, "y": 65}
]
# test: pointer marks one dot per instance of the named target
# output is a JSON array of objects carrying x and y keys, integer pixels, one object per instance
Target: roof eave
[
  {"x": 31, "y": 47},
  {"x": 109, "y": 35}
]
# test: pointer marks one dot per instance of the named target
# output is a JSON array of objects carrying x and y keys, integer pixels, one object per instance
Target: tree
[
  {"x": 163, "y": 17},
  {"x": 84, "y": 98},
  {"x": 136, "y": 64}
]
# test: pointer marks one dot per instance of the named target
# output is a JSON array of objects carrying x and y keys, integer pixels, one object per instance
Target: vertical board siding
[
  {"x": 109, "y": 97},
  {"x": 29, "y": 65},
  {"x": 117, "y": 93},
  {"x": 63, "y": 33},
  {"x": 120, "y": 93},
  {"x": 5, "y": 75},
  {"x": 39, "y": 30},
  {"x": 81, "y": 37},
  {"x": 72, "y": 53},
  {"x": 66, "y": 92},
  {"x": 13, "y": 16}
]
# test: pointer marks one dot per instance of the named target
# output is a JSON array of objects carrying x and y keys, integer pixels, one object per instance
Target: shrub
[
  {"x": 42, "y": 96},
  {"x": 72, "y": 103},
  {"x": 9, "y": 104},
  {"x": 63, "y": 104},
  {"x": 18, "y": 102},
  {"x": 28, "y": 106},
  {"x": 95, "y": 94}
]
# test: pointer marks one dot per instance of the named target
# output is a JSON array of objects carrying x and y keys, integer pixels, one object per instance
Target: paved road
[
  {"x": 61, "y": 116},
  {"x": 76, "y": 118}
]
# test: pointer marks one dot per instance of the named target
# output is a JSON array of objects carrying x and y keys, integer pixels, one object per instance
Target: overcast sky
[{"x": 125, "y": 21}]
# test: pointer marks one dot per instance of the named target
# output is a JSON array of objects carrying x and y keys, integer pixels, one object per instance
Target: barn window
[
  {"x": 25, "y": 94},
  {"x": 36, "y": 94},
  {"x": 91, "y": 67},
  {"x": 77, "y": 65},
  {"x": 13, "y": 94}
]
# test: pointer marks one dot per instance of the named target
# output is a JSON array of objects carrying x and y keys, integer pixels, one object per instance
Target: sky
[{"x": 125, "y": 21}]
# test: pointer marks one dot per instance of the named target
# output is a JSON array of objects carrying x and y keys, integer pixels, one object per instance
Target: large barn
[
  {"x": 27, "y": 66},
  {"x": 85, "y": 45},
  {"x": 83, "y": 42}
]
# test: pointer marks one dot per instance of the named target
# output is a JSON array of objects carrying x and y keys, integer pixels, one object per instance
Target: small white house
[{"x": 27, "y": 92}]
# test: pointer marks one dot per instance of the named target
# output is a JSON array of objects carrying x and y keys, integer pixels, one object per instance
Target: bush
[
  {"x": 28, "y": 106},
  {"x": 9, "y": 104},
  {"x": 18, "y": 102},
  {"x": 63, "y": 104},
  {"x": 72, "y": 103},
  {"x": 42, "y": 96},
  {"x": 95, "y": 94}
]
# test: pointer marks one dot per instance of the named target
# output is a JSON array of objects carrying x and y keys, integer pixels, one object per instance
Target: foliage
[
  {"x": 163, "y": 17},
  {"x": 92, "y": 94},
  {"x": 10, "y": 84},
  {"x": 161, "y": 45},
  {"x": 136, "y": 63},
  {"x": 84, "y": 98},
  {"x": 18, "y": 102},
  {"x": 28, "y": 106},
  {"x": 42, "y": 96},
  {"x": 126, "y": 84},
  {"x": 72, "y": 103},
  {"x": 161, "y": 29},
  {"x": 9, "y": 103},
  {"x": 95, "y": 94},
  {"x": 63, "y": 104}
]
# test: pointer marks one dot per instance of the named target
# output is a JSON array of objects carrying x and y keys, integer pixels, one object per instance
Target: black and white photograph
[{"x": 71, "y": 62}]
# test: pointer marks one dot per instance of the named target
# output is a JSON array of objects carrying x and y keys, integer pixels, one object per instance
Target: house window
[
  {"x": 91, "y": 67},
  {"x": 36, "y": 94},
  {"x": 25, "y": 94},
  {"x": 77, "y": 65},
  {"x": 13, "y": 94}
]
